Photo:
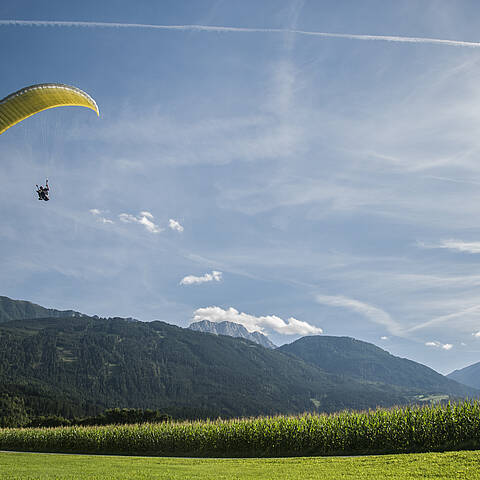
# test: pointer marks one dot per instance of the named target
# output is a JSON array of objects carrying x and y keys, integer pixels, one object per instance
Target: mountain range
[
  {"x": 21, "y": 309},
  {"x": 350, "y": 357},
  {"x": 72, "y": 364},
  {"x": 468, "y": 376},
  {"x": 231, "y": 329}
]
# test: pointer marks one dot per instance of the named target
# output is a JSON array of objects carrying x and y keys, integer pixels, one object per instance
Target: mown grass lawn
[{"x": 41, "y": 466}]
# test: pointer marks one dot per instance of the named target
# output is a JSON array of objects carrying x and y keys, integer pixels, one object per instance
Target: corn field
[{"x": 455, "y": 426}]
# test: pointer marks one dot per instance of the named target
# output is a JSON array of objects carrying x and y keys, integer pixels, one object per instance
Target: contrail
[{"x": 213, "y": 28}]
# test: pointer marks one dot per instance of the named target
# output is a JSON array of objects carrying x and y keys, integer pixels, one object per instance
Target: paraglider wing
[{"x": 30, "y": 100}]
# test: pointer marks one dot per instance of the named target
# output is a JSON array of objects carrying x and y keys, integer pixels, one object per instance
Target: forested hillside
[
  {"x": 77, "y": 366},
  {"x": 468, "y": 376},
  {"x": 82, "y": 365},
  {"x": 21, "y": 309},
  {"x": 348, "y": 356}
]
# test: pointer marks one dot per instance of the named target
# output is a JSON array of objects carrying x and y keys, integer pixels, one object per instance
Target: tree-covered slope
[
  {"x": 20, "y": 309},
  {"x": 79, "y": 365},
  {"x": 468, "y": 376},
  {"x": 113, "y": 362},
  {"x": 362, "y": 360}
]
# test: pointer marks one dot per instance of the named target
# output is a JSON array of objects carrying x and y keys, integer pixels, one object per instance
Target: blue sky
[{"x": 292, "y": 182}]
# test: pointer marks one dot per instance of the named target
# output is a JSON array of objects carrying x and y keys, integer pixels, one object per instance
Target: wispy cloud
[
  {"x": 174, "y": 225},
  {"x": 99, "y": 215},
  {"x": 215, "y": 276},
  {"x": 226, "y": 29},
  {"x": 444, "y": 346},
  {"x": 468, "y": 315},
  {"x": 415, "y": 281},
  {"x": 452, "y": 244},
  {"x": 453, "y": 180},
  {"x": 144, "y": 218},
  {"x": 252, "y": 323},
  {"x": 371, "y": 312},
  {"x": 216, "y": 140}
]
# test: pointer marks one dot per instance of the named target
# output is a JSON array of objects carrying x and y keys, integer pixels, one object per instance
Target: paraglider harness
[{"x": 43, "y": 191}]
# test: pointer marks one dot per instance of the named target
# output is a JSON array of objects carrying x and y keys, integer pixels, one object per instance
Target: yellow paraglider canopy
[{"x": 30, "y": 100}]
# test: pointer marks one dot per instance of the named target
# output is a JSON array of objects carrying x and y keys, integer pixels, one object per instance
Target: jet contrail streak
[{"x": 213, "y": 28}]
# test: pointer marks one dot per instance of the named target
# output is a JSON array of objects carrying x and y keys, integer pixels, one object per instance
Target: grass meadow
[{"x": 40, "y": 466}]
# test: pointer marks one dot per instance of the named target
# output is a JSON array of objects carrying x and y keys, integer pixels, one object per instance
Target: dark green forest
[
  {"x": 348, "y": 356},
  {"x": 78, "y": 367}
]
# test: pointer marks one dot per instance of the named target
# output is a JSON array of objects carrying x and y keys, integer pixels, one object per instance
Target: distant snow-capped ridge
[{"x": 232, "y": 330}]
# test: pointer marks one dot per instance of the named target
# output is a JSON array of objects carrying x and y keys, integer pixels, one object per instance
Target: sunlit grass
[{"x": 445, "y": 466}]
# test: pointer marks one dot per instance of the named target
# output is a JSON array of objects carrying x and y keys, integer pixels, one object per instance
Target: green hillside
[
  {"x": 77, "y": 365},
  {"x": 362, "y": 360},
  {"x": 468, "y": 376},
  {"x": 91, "y": 364},
  {"x": 21, "y": 309}
]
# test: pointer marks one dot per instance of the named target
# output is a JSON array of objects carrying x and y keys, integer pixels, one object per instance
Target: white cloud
[
  {"x": 144, "y": 218},
  {"x": 453, "y": 244},
  {"x": 374, "y": 314},
  {"x": 444, "y": 346},
  {"x": 174, "y": 225},
  {"x": 127, "y": 218},
  {"x": 147, "y": 214},
  {"x": 208, "y": 277},
  {"x": 466, "y": 315},
  {"x": 252, "y": 323},
  {"x": 98, "y": 213},
  {"x": 215, "y": 28},
  {"x": 421, "y": 280},
  {"x": 477, "y": 335},
  {"x": 149, "y": 225}
]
